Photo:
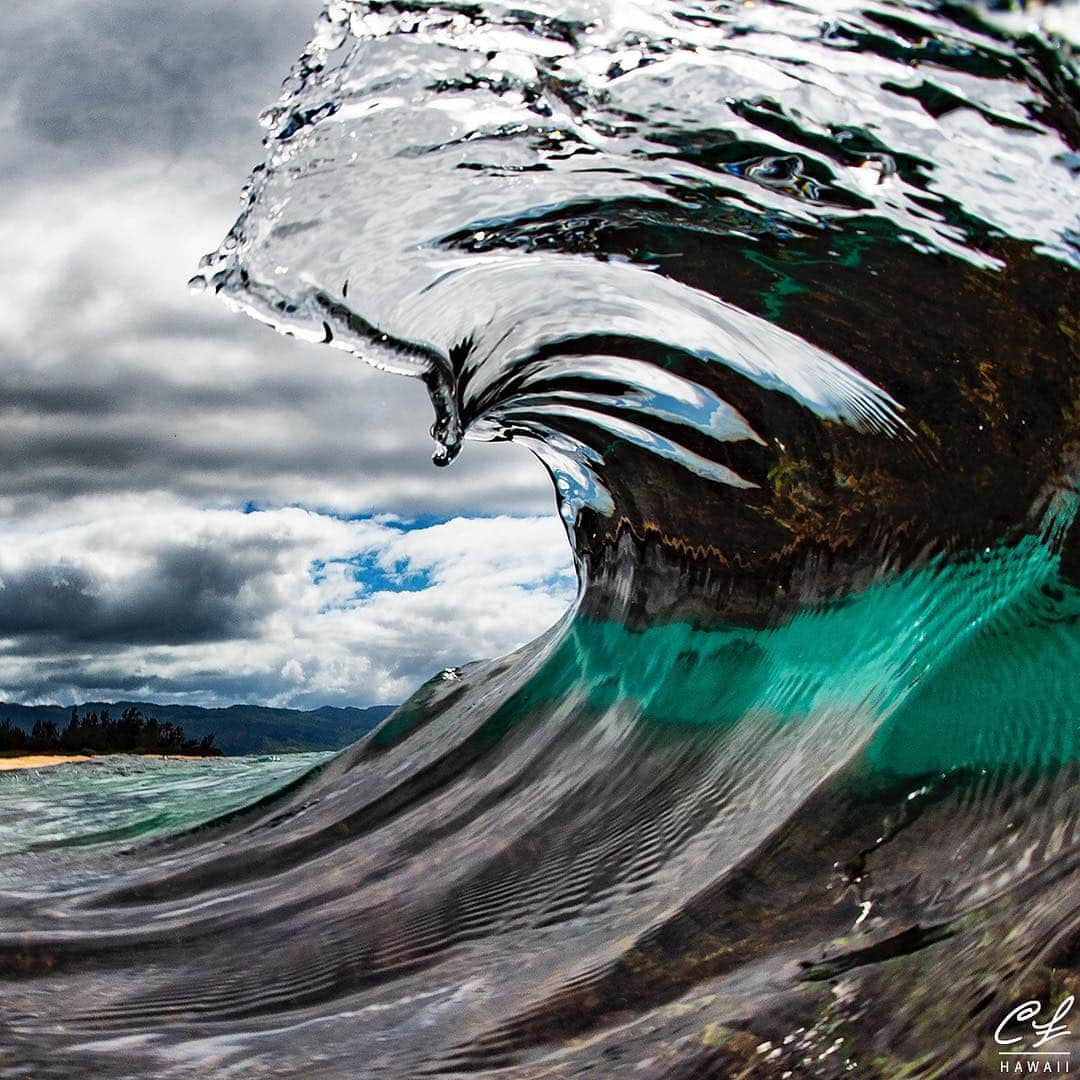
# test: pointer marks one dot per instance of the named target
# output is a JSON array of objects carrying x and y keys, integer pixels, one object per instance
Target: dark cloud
[
  {"x": 283, "y": 439},
  {"x": 186, "y": 595}
]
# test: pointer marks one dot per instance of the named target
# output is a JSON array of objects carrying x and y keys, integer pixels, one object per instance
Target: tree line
[{"x": 132, "y": 733}]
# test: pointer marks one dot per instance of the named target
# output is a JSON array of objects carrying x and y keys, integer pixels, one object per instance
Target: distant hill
[{"x": 238, "y": 729}]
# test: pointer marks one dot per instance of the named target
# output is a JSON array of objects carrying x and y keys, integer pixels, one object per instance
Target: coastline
[
  {"x": 46, "y": 761},
  {"x": 38, "y": 761}
]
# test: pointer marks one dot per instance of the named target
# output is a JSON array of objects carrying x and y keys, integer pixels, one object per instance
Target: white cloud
[{"x": 314, "y": 609}]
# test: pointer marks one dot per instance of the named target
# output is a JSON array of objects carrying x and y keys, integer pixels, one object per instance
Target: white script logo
[{"x": 1023, "y": 1023}]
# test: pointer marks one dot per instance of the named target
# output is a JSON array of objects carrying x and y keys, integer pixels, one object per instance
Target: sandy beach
[
  {"x": 38, "y": 761},
  {"x": 44, "y": 761}
]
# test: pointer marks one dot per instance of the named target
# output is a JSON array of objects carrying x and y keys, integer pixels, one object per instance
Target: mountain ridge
[{"x": 237, "y": 729}]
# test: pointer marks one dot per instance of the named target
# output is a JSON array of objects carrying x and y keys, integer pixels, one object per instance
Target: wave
[{"x": 784, "y": 297}]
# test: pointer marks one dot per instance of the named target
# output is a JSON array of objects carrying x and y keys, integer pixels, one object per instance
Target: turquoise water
[{"x": 965, "y": 664}]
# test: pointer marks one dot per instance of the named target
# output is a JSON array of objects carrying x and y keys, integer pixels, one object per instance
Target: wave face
[{"x": 784, "y": 297}]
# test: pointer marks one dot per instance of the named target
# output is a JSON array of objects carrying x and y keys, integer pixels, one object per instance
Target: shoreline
[
  {"x": 38, "y": 761},
  {"x": 47, "y": 761}
]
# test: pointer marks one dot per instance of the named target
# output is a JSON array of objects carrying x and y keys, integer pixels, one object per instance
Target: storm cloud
[
  {"x": 188, "y": 594},
  {"x": 192, "y": 507}
]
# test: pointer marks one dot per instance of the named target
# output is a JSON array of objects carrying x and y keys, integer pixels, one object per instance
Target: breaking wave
[{"x": 784, "y": 297}]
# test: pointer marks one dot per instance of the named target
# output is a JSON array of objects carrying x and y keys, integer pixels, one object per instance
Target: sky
[{"x": 193, "y": 508}]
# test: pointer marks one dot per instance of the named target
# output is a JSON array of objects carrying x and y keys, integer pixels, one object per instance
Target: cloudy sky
[{"x": 191, "y": 507}]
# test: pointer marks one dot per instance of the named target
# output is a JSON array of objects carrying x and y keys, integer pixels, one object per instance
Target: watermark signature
[{"x": 1026, "y": 1039}]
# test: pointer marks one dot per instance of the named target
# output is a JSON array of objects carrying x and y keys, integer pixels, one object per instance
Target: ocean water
[
  {"x": 118, "y": 798},
  {"x": 785, "y": 298}
]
